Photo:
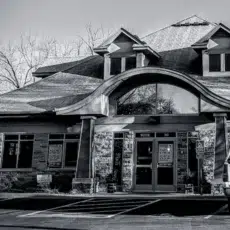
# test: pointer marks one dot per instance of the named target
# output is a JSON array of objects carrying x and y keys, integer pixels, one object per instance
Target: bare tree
[
  {"x": 17, "y": 61},
  {"x": 94, "y": 36}
]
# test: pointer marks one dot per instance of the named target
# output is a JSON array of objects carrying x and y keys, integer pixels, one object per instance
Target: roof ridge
[{"x": 194, "y": 15}]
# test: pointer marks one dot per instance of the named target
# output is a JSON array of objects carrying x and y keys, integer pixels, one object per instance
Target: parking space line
[
  {"x": 137, "y": 207},
  {"x": 51, "y": 209},
  {"x": 4, "y": 199},
  {"x": 216, "y": 212},
  {"x": 71, "y": 215}
]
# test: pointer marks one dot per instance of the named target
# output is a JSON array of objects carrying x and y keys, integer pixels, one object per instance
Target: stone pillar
[
  {"x": 221, "y": 146},
  {"x": 84, "y": 181}
]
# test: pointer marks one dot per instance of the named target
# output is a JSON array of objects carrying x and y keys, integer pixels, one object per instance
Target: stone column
[
  {"x": 84, "y": 181},
  {"x": 221, "y": 146}
]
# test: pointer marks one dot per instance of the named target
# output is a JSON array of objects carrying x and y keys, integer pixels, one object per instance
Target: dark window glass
[
  {"x": 165, "y": 176},
  {"x": 227, "y": 62},
  {"x": 118, "y": 135},
  {"x": 25, "y": 156},
  {"x": 115, "y": 67},
  {"x": 192, "y": 160},
  {"x": 72, "y": 136},
  {"x": 10, "y": 154},
  {"x": 11, "y": 137},
  {"x": 214, "y": 62},
  {"x": 71, "y": 154},
  {"x": 27, "y": 137},
  {"x": 56, "y": 136},
  {"x": 130, "y": 63},
  {"x": 117, "y": 160}
]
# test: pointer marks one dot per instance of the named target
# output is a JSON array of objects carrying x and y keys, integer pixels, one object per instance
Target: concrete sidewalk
[{"x": 119, "y": 195}]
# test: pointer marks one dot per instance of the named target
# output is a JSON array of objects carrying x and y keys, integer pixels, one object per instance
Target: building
[{"x": 136, "y": 109}]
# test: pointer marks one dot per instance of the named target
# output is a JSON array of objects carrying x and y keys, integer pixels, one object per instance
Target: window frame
[
  {"x": 64, "y": 141},
  {"x": 19, "y": 140}
]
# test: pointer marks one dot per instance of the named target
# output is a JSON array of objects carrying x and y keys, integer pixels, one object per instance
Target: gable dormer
[
  {"x": 123, "y": 51},
  {"x": 215, "y": 51}
]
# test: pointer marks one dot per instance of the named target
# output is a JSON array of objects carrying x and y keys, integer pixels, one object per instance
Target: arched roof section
[{"x": 137, "y": 77}]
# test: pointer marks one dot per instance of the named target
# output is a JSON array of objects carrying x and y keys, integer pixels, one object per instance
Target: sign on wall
[
  {"x": 165, "y": 154},
  {"x": 1, "y": 147},
  {"x": 55, "y": 155},
  {"x": 40, "y": 151},
  {"x": 199, "y": 149}
]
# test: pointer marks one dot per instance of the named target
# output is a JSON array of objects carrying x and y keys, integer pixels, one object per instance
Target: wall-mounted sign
[
  {"x": 55, "y": 155},
  {"x": 166, "y": 134},
  {"x": 145, "y": 134},
  {"x": 199, "y": 149},
  {"x": 44, "y": 178},
  {"x": 165, "y": 154}
]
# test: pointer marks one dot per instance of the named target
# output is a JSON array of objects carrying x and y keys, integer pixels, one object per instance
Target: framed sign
[
  {"x": 165, "y": 153},
  {"x": 44, "y": 178},
  {"x": 55, "y": 154},
  {"x": 199, "y": 149}
]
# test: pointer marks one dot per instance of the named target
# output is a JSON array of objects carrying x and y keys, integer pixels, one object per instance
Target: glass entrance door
[
  {"x": 143, "y": 175},
  {"x": 165, "y": 165}
]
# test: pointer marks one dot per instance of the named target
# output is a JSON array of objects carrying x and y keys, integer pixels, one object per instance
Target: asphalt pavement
[{"x": 57, "y": 212}]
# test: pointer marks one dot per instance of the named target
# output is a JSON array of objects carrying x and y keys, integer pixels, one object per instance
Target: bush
[{"x": 63, "y": 183}]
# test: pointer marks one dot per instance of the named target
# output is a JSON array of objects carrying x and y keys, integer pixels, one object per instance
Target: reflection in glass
[
  {"x": 144, "y": 152},
  {"x": 175, "y": 100},
  {"x": 141, "y": 100},
  {"x": 157, "y": 98}
]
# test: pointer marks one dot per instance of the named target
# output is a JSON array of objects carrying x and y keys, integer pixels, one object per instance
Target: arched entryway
[{"x": 158, "y": 134}]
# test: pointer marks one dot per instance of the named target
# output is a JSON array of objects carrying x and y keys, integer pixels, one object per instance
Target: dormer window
[
  {"x": 130, "y": 63},
  {"x": 214, "y": 63},
  {"x": 227, "y": 62},
  {"x": 115, "y": 67}
]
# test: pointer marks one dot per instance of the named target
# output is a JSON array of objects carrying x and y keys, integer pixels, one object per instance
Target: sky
[{"x": 64, "y": 19}]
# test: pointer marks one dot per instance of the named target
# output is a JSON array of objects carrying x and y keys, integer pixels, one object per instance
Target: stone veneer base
[{"x": 83, "y": 185}]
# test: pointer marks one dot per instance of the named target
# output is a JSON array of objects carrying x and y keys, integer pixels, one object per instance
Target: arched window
[{"x": 157, "y": 99}]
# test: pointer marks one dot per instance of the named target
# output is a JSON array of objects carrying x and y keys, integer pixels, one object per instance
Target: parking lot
[{"x": 95, "y": 211}]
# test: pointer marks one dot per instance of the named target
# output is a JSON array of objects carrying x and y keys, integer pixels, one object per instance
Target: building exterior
[{"x": 137, "y": 109}]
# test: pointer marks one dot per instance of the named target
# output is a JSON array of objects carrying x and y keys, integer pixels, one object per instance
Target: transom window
[{"x": 157, "y": 99}]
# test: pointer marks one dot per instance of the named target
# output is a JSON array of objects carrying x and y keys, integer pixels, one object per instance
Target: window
[
  {"x": 214, "y": 63},
  {"x": 115, "y": 67},
  {"x": 227, "y": 62},
  {"x": 18, "y": 151},
  {"x": 130, "y": 63},
  {"x": 63, "y": 150},
  {"x": 157, "y": 99}
]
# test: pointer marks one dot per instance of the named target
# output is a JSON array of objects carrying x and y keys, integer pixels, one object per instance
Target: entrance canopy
[{"x": 99, "y": 101}]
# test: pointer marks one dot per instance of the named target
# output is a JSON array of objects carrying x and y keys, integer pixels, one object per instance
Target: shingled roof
[
  {"x": 60, "y": 89},
  {"x": 76, "y": 80}
]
